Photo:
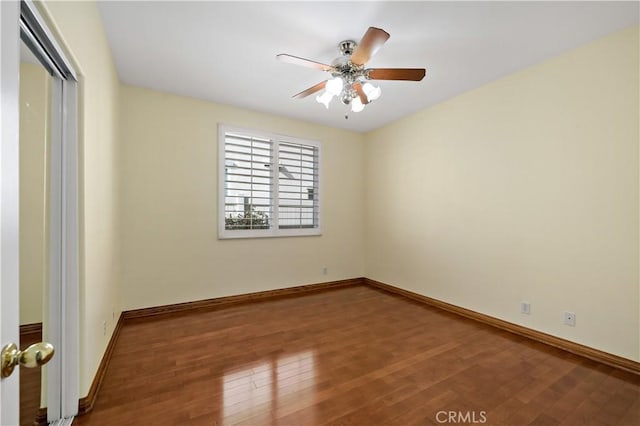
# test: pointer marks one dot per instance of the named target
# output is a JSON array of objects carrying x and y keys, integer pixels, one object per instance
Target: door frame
[{"x": 22, "y": 19}]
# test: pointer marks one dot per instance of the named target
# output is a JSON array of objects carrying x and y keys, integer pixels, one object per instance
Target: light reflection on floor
[{"x": 269, "y": 387}]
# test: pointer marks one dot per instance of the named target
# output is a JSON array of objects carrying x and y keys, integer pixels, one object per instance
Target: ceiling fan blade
[
  {"x": 363, "y": 97},
  {"x": 372, "y": 40},
  {"x": 311, "y": 90},
  {"x": 412, "y": 74},
  {"x": 290, "y": 59}
]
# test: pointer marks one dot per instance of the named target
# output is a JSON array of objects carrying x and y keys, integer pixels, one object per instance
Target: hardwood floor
[
  {"x": 352, "y": 356},
  {"x": 29, "y": 383}
]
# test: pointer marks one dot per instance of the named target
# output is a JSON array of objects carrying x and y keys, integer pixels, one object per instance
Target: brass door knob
[{"x": 34, "y": 356}]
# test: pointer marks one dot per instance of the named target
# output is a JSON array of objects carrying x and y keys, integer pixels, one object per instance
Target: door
[
  {"x": 9, "y": 201},
  {"x": 23, "y": 20}
]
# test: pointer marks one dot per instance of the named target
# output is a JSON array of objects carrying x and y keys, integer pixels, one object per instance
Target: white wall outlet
[
  {"x": 570, "y": 319},
  {"x": 525, "y": 308},
  {"x": 104, "y": 328},
  {"x": 325, "y": 270}
]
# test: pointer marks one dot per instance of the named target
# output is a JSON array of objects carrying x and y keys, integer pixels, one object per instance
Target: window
[{"x": 257, "y": 199}]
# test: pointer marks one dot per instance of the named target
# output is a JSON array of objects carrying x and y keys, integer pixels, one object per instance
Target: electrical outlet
[
  {"x": 104, "y": 328},
  {"x": 325, "y": 270},
  {"x": 570, "y": 319},
  {"x": 525, "y": 308}
]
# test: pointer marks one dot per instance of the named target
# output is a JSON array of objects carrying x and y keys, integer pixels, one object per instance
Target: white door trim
[
  {"x": 62, "y": 372},
  {"x": 70, "y": 306}
]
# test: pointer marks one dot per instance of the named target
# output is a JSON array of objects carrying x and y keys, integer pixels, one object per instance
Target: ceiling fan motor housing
[{"x": 347, "y": 47}]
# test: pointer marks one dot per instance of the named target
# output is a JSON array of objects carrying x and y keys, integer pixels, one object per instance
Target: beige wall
[
  {"x": 80, "y": 27},
  {"x": 170, "y": 249},
  {"x": 34, "y": 122},
  {"x": 524, "y": 189}
]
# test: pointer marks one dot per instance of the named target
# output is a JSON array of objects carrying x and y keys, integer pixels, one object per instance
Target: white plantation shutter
[
  {"x": 258, "y": 199},
  {"x": 297, "y": 186},
  {"x": 248, "y": 174}
]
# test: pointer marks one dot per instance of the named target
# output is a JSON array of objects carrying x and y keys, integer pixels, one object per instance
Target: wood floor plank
[{"x": 350, "y": 356}]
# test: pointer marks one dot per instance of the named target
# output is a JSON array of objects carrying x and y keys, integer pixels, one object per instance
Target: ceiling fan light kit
[{"x": 350, "y": 82}]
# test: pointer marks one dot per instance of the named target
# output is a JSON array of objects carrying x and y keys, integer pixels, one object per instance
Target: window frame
[{"x": 274, "y": 230}]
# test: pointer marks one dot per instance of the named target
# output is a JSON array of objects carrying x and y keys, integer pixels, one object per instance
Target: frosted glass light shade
[
  {"x": 334, "y": 86},
  {"x": 325, "y": 98},
  {"x": 371, "y": 91},
  {"x": 357, "y": 105}
]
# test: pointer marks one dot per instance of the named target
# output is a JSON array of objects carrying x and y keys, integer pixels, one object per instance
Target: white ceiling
[{"x": 225, "y": 51}]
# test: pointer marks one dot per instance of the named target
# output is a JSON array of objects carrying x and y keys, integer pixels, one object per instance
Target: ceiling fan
[{"x": 350, "y": 82}]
